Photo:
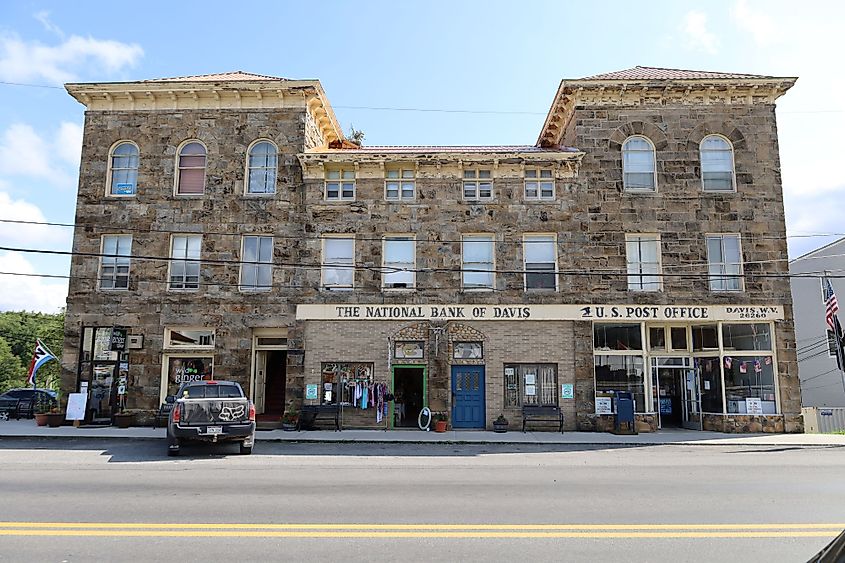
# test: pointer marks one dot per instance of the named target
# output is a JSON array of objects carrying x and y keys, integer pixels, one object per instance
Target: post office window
[
  {"x": 749, "y": 336},
  {"x": 617, "y": 336},
  {"x": 705, "y": 337}
]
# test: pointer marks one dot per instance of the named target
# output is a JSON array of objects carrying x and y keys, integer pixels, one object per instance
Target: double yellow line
[{"x": 377, "y": 531}]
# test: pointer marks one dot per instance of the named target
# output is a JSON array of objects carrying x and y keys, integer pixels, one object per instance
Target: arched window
[
  {"x": 717, "y": 164},
  {"x": 638, "y": 165},
  {"x": 261, "y": 168},
  {"x": 191, "y": 179},
  {"x": 123, "y": 169}
]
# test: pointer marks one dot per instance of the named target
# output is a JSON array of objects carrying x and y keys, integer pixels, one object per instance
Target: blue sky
[{"x": 461, "y": 55}]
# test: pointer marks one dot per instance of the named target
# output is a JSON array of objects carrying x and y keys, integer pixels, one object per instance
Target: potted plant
[
  {"x": 440, "y": 422},
  {"x": 289, "y": 420},
  {"x": 500, "y": 425},
  {"x": 41, "y": 409},
  {"x": 55, "y": 417},
  {"x": 124, "y": 419}
]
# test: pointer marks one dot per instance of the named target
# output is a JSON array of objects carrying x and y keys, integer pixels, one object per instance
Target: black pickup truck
[{"x": 210, "y": 411}]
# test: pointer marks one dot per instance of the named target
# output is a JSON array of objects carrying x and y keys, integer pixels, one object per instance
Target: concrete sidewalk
[{"x": 28, "y": 429}]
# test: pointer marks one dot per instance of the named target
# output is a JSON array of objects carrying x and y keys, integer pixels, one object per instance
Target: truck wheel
[
  {"x": 173, "y": 447},
  {"x": 245, "y": 450},
  {"x": 172, "y": 452}
]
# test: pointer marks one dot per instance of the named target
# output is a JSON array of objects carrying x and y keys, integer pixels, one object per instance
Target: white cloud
[
  {"x": 25, "y": 293},
  {"x": 69, "y": 142},
  {"x": 19, "y": 234},
  {"x": 699, "y": 38},
  {"x": 32, "y": 61},
  {"x": 44, "y": 18},
  {"x": 759, "y": 24},
  {"x": 24, "y": 152}
]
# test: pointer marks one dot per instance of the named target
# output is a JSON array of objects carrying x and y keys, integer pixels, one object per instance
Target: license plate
[{"x": 214, "y": 430}]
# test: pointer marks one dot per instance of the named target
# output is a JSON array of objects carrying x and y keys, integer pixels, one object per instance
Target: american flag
[{"x": 831, "y": 306}]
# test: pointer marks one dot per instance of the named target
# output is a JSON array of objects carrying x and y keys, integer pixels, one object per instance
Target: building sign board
[
  {"x": 523, "y": 312},
  {"x": 604, "y": 405},
  {"x": 76, "y": 405},
  {"x": 311, "y": 391},
  {"x": 567, "y": 391}
]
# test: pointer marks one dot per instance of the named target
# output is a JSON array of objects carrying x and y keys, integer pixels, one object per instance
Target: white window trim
[
  {"x": 477, "y": 181},
  {"x": 324, "y": 265},
  {"x": 168, "y": 330},
  {"x": 538, "y": 180},
  {"x": 625, "y": 188},
  {"x": 247, "y": 169},
  {"x": 172, "y": 259},
  {"x": 401, "y": 180},
  {"x": 741, "y": 274},
  {"x": 165, "y": 363},
  {"x": 630, "y": 237},
  {"x": 100, "y": 266},
  {"x": 525, "y": 237},
  {"x": 176, "y": 169},
  {"x": 733, "y": 165},
  {"x": 250, "y": 289},
  {"x": 109, "y": 171},
  {"x": 475, "y": 289},
  {"x": 394, "y": 236},
  {"x": 340, "y": 181}
]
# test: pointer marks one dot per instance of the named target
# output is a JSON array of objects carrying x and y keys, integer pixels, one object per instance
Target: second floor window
[
  {"x": 478, "y": 185},
  {"x": 477, "y": 262},
  {"x": 114, "y": 264},
  {"x": 540, "y": 261},
  {"x": 399, "y": 262},
  {"x": 261, "y": 168},
  {"x": 643, "y": 255},
  {"x": 257, "y": 263},
  {"x": 638, "y": 165},
  {"x": 539, "y": 184},
  {"x": 338, "y": 267},
  {"x": 124, "y": 169},
  {"x": 191, "y": 175},
  {"x": 185, "y": 261},
  {"x": 399, "y": 184},
  {"x": 724, "y": 259},
  {"x": 717, "y": 164},
  {"x": 340, "y": 185}
]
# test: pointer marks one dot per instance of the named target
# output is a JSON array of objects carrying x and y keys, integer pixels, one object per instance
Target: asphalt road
[{"x": 102, "y": 500}]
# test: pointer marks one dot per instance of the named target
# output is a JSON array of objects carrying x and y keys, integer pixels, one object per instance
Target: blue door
[{"x": 467, "y": 396}]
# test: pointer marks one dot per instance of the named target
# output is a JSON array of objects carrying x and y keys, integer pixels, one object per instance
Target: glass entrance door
[
  {"x": 692, "y": 400},
  {"x": 675, "y": 393}
]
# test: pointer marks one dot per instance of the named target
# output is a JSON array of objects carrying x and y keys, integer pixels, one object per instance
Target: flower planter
[
  {"x": 55, "y": 419},
  {"x": 41, "y": 419},
  {"x": 288, "y": 426},
  {"x": 440, "y": 426},
  {"x": 500, "y": 428},
  {"x": 124, "y": 420}
]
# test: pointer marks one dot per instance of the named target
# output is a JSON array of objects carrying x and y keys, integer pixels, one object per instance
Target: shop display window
[
  {"x": 619, "y": 373},
  {"x": 338, "y": 381},
  {"x": 750, "y": 377},
  {"x": 188, "y": 369},
  {"x": 711, "y": 383},
  {"x": 530, "y": 384}
]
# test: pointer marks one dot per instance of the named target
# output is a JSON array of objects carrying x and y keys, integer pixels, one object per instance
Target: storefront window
[
  {"x": 188, "y": 369},
  {"x": 619, "y": 373},
  {"x": 711, "y": 384},
  {"x": 705, "y": 337},
  {"x": 748, "y": 378},
  {"x": 345, "y": 382},
  {"x": 185, "y": 338},
  {"x": 747, "y": 336},
  {"x": 617, "y": 337},
  {"x": 530, "y": 384}
]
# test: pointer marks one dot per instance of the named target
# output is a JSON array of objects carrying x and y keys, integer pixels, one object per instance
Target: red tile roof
[
  {"x": 416, "y": 149},
  {"x": 237, "y": 75},
  {"x": 655, "y": 73}
]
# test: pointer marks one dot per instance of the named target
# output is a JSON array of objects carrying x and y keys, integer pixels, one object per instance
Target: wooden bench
[
  {"x": 311, "y": 413},
  {"x": 533, "y": 413},
  {"x": 163, "y": 415}
]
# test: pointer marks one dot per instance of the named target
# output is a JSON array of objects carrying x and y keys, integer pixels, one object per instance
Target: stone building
[{"x": 226, "y": 228}]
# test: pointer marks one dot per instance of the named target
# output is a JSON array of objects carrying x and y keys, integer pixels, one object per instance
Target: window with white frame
[
  {"x": 399, "y": 184},
  {"x": 477, "y": 261},
  {"x": 539, "y": 184},
  {"x": 540, "y": 256},
  {"x": 262, "y": 164},
  {"x": 114, "y": 262},
  {"x": 338, "y": 267},
  {"x": 399, "y": 262},
  {"x": 257, "y": 263},
  {"x": 638, "y": 164},
  {"x": 717, "y": 164},
  {"x": 181, "y": 337},
  {"x": 340, "y": 185},
  {"x": 185, "y": 262},
  {"x": 191, "y": 173},
  {"x": 643, "y": 254},
  {"x": 123, "y": 169},
  {"x": 531, "y": 384},
  {"x": 478, "y": 184},
  {"x": 724, "y": 259}
]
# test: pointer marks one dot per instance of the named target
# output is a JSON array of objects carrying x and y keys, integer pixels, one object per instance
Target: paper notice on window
[
  {"x": 706, "y": 385},
  {"x": 604, "y": 405},
  {"x": 530, "y": 390},
  {"x": 530, "y": 378}
]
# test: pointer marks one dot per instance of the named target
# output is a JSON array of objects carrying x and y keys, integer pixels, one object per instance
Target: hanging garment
[{"x": 364, "y": 398}]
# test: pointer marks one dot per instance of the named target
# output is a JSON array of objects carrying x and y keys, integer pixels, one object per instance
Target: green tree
[
  {"x": 20, "y": 329},
  {"x": 12, "y": 372}
]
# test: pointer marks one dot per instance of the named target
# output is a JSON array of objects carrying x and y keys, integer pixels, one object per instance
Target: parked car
[
  {"x": 23, "y": 402},
  {"x": 210, "y": 411}
]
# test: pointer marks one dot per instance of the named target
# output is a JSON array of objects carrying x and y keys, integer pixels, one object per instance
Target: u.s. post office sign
[{"x": 604, "y": 312}]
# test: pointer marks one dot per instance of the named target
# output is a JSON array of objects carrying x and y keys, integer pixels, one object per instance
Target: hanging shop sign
[
  {"x": 681, "y": 313},
  {"x": 118, "y": 339}
]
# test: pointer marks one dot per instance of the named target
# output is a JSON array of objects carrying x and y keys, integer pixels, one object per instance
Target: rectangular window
[
  {"x": 643, "y": 252},
  {"x": 338, "y": 263},
  {"x": 409, "y": 350},
  {"x": 711, "y": 384},
  {"x": 477, "y": 261},
  {"x": 539, "y": 184},
  {"x": 754, "y": 336},
  {"x": 617, "y": 337},
  {"x": 257, "y": 263},
  {"x": 339, "y": 381},
  {"x": 399, "y": 184},
  {"x": 184, "y": 262},
  {"x": 725, "y": 262},
  {"x": 114, "y": 264},
  {"x": 750, "y": 377},
  {"x": 616, "y": 373},
  {"x": 705, "y": 337},
  {"x": 478, "y": 185},
  {"x": 340, "y": 185},
  {"x": 187, "y": 370},
  {"x": 399, "y": 262},
  {"x": 468, "y": 351},
  {"x": 540, "y": 253},
  {"x": 188, "y": 338},
  {"x": 531, "y": 384}
]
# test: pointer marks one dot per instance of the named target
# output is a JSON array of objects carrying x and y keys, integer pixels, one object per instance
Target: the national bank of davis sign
[{"x": 602, "y": 312}]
